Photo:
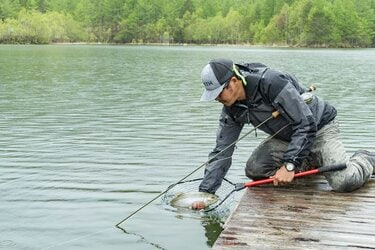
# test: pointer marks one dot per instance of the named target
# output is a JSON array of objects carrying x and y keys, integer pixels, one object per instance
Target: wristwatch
[{"x": 290, "y": 166}]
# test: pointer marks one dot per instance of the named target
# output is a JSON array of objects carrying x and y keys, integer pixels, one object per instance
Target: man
[{"x": 305, "y": 134}]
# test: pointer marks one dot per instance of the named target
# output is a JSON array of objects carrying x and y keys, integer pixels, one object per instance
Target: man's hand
[{"x": 282, "y": 176}]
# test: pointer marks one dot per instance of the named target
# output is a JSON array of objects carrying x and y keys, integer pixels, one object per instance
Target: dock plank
[{"x": 303, "y": 215}]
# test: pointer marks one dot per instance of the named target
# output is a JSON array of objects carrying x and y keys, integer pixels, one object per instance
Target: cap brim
[{"x": 210, "y": 95}]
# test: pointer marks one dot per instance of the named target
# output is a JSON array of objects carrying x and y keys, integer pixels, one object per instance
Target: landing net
[{"x": 192, "y": 186}]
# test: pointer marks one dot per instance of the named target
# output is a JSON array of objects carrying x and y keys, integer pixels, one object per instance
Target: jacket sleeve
[
  {"x": 288, "y": 100},
  {"x": 227, "y": 132}
]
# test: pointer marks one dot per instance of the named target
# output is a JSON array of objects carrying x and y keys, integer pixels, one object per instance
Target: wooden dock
[{"x": 304, "y": 215}]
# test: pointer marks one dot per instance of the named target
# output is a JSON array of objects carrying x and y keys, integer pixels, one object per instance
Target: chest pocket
[
  {"x": 239, "y": 113},
  {"x": 260, "y": 113}
]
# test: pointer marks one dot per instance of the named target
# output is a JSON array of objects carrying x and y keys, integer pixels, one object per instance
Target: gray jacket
[{"x": 267, "y": 90}]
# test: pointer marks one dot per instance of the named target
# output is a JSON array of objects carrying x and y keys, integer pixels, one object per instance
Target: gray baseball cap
[{"x": 215, "y": 75}]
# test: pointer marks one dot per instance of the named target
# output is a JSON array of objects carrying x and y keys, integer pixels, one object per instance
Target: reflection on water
[
  {"x": 88, "y": 134},
  {"x": 213, "y": 227}
]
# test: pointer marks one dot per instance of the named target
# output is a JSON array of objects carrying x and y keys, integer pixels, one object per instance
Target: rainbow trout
[{"x": 184, "y": 200}]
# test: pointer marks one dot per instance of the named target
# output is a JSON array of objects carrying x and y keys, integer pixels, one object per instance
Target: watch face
[{"x": 289, "y": 166}]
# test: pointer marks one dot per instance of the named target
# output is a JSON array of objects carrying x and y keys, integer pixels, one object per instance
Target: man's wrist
[{"x": 290, "y": 167}]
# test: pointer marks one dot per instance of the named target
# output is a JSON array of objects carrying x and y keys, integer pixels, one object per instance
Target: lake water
[{"x": 88, "y": 134}]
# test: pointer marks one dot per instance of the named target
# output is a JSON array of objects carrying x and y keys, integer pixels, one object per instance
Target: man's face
[{"x": 229, "y": 94}]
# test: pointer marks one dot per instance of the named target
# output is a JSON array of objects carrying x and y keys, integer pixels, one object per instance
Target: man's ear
[{"x": 232, "y": 80}]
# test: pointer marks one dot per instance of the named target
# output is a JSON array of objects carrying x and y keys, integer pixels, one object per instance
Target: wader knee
[
  {"x": 258, "y": 167},
  {"x": 251, "y": 169},
  {"x": 346, "y": 184},
  {"x": 353, "y": 177},
  {"x": 265, "y": 159}
]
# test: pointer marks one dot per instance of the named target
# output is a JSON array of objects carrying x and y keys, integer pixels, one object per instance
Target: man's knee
[
  {"x": 349, "y": 179},
  {"x": 345, "y": 184},
  {"x": 259, "y": 168},
  {"x": 265, "y": 159},
  {"x": 253, "y": 169}
]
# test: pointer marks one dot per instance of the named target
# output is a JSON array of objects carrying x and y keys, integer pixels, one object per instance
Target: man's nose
[{"x": 218, "y": 98}]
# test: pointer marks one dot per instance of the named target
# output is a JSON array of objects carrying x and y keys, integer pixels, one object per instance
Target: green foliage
[
  {"x": 323, "y": 23},
  {"x": 8, "y": 9},
  {"x": 38, "y": 28}
]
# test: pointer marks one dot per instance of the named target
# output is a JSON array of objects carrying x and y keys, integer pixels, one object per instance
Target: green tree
[
  {"x": 297, "y": 20},
  {"x": 320, "y": 29},
  {"x": 9, "y": 9},
  {"x": 113, "y": 14},
  {"x": 232, "y": 23},
  {"x": 29, "y": 4},
  {"x": 258, "y": 29},
  {"x": 354, "y": 31},
  {"x": 276, "y": 31},
  {"x": 64, "y": 6}
]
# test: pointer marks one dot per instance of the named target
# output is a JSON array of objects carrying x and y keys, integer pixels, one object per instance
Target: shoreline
[{"x": 247, "y": 45}]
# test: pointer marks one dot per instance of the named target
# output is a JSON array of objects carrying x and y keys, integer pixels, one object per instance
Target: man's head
[
  {"x": 218, "y": 75},
  {"x": 215, "y": 76}
]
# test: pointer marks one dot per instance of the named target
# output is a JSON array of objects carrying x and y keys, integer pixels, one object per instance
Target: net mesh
[{"x": 192, "y": 186}]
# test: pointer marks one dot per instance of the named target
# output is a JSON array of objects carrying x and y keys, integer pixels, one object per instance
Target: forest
[{"x": 297, "y": 23}]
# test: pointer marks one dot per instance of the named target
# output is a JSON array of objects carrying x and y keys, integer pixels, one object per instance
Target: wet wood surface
[{"x": 304, "y": 215}]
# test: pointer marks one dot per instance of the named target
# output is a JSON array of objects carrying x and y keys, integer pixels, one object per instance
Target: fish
[{"x": 185, "y": 200}]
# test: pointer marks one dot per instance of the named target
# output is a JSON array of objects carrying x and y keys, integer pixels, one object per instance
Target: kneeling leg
[{"x": 266, "y": 159}]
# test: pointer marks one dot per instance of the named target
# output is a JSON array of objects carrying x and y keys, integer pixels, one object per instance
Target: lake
[{"x": 88, "y": 134}]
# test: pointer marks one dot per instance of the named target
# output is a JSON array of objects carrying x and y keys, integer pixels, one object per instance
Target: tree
[
  {"x": 232, "y": 23},
  {"x": 320, "y": 29},
  {"x": 297, "y": 20},
  {"x": 9, "y": 9},
  {"x": 354, "y": 31},
  {"x": 276, "y": 31}
]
